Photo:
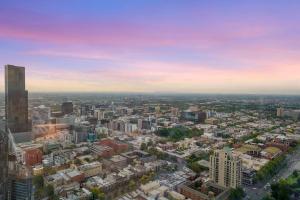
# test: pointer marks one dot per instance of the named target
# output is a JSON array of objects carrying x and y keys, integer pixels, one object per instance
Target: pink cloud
[
  {"x": 51, "y": 29},
  {"x": 92, "y": 55}
]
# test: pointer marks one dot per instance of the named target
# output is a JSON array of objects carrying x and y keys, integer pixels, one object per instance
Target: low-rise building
[
  {"x": 248, "y": 176},
  {"x": 118, "y": 161},
  {"x": 150, "y": 186},
  {"x": 206, "y": 191},
  {"x": 91, "y": 169},
  {"x": 103, "y": 151},
  {"x": 271, "y": 152},
  {"x": 33, "y": 157}
]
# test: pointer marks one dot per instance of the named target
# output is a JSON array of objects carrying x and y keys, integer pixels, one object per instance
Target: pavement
[{"x": 257, "y": 191}]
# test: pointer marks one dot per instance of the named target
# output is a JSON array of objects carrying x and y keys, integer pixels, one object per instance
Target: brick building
[
  {"x": 33, "y": 157},
  {"x": 117, "y": 147}
]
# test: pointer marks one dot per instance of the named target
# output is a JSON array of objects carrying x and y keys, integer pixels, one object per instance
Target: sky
[{"x": 177, "y": 46}]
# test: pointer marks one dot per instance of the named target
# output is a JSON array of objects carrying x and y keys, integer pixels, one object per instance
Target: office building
[
  {"x": 3, "y": 165},
  {"x": 22, "y": 188},
  {"x": 225, "y": 168},
  {"x": 144, "y": 124},
  {"x": 81, "y": 132},
  {"x": 194, "y": 116},
  {"x": 67, "y": 107},
  {"x": 20, "y": 183},
  {"x": 16, "y": 99}
]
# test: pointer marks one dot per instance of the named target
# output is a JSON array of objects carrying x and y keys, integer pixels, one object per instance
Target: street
[{"x": 257, "y": 191}]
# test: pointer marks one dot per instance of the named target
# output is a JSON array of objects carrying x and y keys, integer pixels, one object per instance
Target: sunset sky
[{"x": 188, "y": 46}]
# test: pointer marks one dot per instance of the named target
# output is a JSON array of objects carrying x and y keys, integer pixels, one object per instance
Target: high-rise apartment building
[
  {"x": 16, "y": 99},
  {"x": 280, "y": 112},
  {"x": 225, "y": 168}
]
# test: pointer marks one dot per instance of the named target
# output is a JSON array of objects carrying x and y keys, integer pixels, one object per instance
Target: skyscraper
[
  {"x": 21, "y": 188},
  {"x": 225, "y": 168},
  {"x": 67, "y": 107},
  {"x": 16, "y": 99},
  {"x": 3, "y": 165}
]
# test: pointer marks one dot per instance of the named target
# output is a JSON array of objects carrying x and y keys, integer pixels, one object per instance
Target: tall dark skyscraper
[
  {"x": 67, "y": 107},
  {"x": 16, "y": 99},
  {"x": 3, "y": 165}
]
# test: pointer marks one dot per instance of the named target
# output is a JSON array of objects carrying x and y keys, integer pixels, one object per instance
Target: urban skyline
[
  {"x": 149, "y": 100},
  {"x": 164, "y": 147},
  {"x": 196, "y": 47}
]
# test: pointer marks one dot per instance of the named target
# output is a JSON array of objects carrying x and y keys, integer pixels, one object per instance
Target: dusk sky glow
[{"x": 184, "y": 46}]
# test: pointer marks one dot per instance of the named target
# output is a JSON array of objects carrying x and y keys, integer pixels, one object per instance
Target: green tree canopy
[
  {"x": 97, "y": 194},
  {"x": 236, "y": 194}
]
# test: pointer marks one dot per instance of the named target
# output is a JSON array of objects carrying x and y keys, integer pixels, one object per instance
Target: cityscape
[{"x": 107, "y": 100}]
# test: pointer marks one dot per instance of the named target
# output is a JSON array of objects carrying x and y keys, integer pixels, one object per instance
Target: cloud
[
  {"x": 170, "y": 50},
  {"x": 95, "y": 55},
  {"x": 44, "y": 28}
]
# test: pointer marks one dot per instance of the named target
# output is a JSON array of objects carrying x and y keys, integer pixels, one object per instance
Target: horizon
[
  {"x": 247, "y": 48},
  {"x": 158, "y": 93}
]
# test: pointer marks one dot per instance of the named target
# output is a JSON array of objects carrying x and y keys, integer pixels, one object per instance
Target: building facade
[
  {"x": 225, "y": 169},
  {"x": 33, "y": 157},
  {"x": 16, "y": 99},
  {"x": 3, "y": 165},
  {"x": 67, "y": 107},
  {"x": 21, "y": 188}
]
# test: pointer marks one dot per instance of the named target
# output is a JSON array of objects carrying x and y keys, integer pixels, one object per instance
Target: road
[{"x": 257, "y": 191}]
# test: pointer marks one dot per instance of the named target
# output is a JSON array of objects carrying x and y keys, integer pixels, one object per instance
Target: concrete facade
[{"x": 225, "y": 169}]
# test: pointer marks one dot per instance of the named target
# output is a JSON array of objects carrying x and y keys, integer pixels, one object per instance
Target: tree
[
  {"x": 38, "y": 181},
  {"x": 150, "y": 143},
  {"x": 132, "y": 185},
  {"x": 271, "y": 168},
  {"x": 144, "y": 146},
  {"x": 267, "y": 197},
  {"x": 49, "y": 190},
  {"x": 298, "y": 182},
  {"x": 49, "y": 170},
  {"x": 77, "y": 161},
  {"x": 151, "y": 176},
  {"x": 176, "y": 134},
  {"x": 42, "y": 191},
  {"x": 195, "y": 167},
  {"x": 281, "y": 190},
  {"x": 295, "y": 173},
  {"x": 145, "y": 179},
  {"x": 97, "y": 194},
  {"x": 236, "y": 194},
  {"x": 157, "y": 153}
]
